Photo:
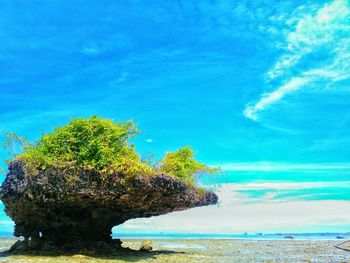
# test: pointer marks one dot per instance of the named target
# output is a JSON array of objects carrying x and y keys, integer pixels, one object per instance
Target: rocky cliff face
[{"x": 71, "y": 204}]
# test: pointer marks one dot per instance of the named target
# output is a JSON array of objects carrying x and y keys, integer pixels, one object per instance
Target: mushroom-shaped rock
[
  {"x": 72, "y": 204},
  {"x": 74, "y": 185}
]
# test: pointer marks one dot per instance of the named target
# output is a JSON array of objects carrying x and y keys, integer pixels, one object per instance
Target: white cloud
[
  {"x": 314, "y": 31},
  {"x": 297, "y": 216},
  {"x": 149, "y": 140},
  {"x": 327, "y": 31}
]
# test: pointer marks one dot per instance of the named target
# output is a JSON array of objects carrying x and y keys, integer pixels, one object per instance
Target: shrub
[
  {"x": 91, "y": 143},
  {"x": 183, "y": 165}
]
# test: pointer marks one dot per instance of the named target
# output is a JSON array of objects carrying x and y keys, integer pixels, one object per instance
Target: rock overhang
[{"x": 60, "y": 204}]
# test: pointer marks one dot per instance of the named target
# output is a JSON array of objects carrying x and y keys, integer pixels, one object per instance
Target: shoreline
[
  {"x": 204, "y": 250},
  {"x": 341, "y": 237}
]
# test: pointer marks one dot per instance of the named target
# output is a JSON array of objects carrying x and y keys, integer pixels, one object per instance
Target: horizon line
[{"x": 280, "y": 166}]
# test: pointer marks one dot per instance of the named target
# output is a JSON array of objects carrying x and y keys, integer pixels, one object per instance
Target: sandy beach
[{"x": 204, "y": 250}]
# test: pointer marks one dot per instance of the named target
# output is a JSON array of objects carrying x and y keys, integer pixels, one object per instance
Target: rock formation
[{"x": 65, "y": 205}]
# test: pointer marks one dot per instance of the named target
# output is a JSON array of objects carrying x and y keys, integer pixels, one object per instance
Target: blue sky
[{"x": 260, "y": 88}]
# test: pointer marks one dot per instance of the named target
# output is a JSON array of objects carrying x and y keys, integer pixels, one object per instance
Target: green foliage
[
  {"x": 182, "y": 164},
  {"x": 102, "y": 145}
]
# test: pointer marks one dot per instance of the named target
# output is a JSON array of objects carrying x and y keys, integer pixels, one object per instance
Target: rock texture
[{"x": 75, "y": 205}]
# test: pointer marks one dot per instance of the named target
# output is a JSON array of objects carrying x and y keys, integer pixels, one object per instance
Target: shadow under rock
[{"x": 126, "y": 254}]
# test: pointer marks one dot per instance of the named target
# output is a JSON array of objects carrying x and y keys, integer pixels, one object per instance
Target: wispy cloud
[
  {"x": 269, "y": 98},
  {"x": 284, "y": 185},
  {"x": 324, "y": 35},
  {"x": 269, "y": 166}
]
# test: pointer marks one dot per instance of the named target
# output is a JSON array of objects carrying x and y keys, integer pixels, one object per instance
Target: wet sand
[{"x": 204, "y": 250}]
